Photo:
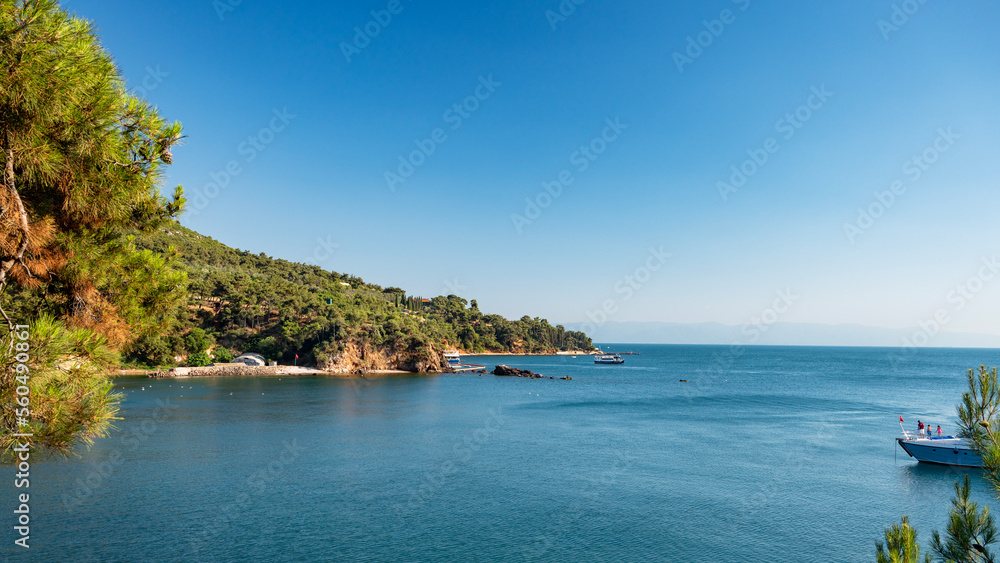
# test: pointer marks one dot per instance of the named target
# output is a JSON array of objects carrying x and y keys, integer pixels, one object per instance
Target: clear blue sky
[{"x": 322, "y": 176}]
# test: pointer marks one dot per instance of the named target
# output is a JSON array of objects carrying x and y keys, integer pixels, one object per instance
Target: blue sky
[{"x": 227, "y": 69}]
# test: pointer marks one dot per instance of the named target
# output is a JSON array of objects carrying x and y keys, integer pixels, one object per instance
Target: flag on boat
[{"x": 900, "y": 416}]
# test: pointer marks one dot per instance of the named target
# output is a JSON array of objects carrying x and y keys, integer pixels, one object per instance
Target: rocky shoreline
[
  {"x": 234, "y": 370},
  {"x": 231, "y": 370}
]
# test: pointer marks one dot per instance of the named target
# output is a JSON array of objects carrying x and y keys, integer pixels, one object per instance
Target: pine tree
[
  {"x": 970, "y": 530},
  {"x": 900, "y": 545},
  {"x": 82, "y": 161}
]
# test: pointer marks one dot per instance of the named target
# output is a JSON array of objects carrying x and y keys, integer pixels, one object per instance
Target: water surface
[{"x": 772, "y": 454}]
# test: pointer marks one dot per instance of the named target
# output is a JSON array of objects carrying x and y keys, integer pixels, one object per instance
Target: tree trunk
[{"x": 8, "y": 262}]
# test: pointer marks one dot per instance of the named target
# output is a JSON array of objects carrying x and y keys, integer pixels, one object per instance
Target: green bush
[
  {"x": 223, "y": 355},
  {"x": 269, "y": 348},
  {"x": 151, "y": 351},
  {"x": 198, "y": 340},
  {"x": 199, "y": 359}
]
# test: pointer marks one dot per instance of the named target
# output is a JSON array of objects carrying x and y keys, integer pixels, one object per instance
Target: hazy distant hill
[{"x": 790, "y": 334}]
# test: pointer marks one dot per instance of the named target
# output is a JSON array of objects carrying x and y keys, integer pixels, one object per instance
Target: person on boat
[
  {"x": 920, "y": 428},
  {"x": 939, "y": 430}
]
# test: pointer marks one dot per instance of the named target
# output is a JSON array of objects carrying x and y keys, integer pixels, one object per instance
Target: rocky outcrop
[
  {"x": 515, "y": 372},
  {"x": 360, "y": 358}
]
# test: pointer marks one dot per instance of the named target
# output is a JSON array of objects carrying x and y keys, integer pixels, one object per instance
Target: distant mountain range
[{"x": 778, "y": 334}]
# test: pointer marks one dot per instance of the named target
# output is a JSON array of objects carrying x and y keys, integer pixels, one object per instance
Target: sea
[{"x": 770, "y": 454}]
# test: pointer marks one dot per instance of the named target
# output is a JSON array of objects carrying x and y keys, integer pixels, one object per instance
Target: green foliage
[
  {"x": 198, "y": 340},
  {"x": 82, "y": 162},
  {"x": 223, "y": 355},
  {"x": 151, "y": 351},
  {"x": 71, "y": 398},
  {"x": 970, "y": 531},
  {"x": 900, "y": 545},
  {"x": 980, "y": 403},
  {"x": 199, "y": 359},
  {"x": 979, "y": 421},
  {"x": 269, "y": 348}
]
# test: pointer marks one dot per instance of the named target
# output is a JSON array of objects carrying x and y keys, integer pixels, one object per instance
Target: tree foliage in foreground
[
  {"x": 970, "y": 531},
  {"x": 900, "y": 545},
  {"x": 82, "y": 161},
  {"x": 979, "y": 421},
  {"x": 71, "y": 396}
]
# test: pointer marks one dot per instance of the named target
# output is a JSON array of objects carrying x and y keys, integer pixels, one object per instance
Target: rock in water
[{"x": 515, "y": 372}]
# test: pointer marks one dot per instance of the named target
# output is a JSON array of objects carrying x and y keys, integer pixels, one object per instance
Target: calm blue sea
[{"x": 770, "y": 454}]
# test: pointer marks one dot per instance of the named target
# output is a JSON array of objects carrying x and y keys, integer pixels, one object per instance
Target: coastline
[
  {"x": 254, "y": 371},
  {"x": 230, "y": 370}
]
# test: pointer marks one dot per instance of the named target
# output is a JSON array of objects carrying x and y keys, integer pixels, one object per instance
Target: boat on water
[
  {"x": 452, "y": 357},
  {"x": 608, "y": 359},
  {"x": 940, "y": 450},
  {"x": 943, "y": 450}
]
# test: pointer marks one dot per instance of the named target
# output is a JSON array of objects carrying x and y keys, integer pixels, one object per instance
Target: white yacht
[{"x": 942, "y": 450}]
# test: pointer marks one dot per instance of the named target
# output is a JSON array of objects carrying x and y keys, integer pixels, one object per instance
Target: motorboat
[
  {"x": 941, "y": 450},
  {"x": 608, "y": 359}
]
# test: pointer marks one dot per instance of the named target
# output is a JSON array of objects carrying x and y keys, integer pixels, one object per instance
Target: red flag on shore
[
  {"x": 901, "y": 418},
  {"x": 297, "y": 357}
]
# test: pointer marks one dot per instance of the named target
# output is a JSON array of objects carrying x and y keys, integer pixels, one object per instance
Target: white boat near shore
[{"x": 609, "y": 359}]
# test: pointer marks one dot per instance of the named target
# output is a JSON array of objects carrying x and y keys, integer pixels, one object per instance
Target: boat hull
[{"x": 943, "y": 452}]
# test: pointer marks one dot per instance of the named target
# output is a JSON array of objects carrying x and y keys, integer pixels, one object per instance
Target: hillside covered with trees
[{"x": 247, "y": 302}]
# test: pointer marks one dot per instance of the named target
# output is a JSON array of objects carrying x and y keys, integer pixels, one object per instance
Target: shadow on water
[{"x": 934, "y": 472}]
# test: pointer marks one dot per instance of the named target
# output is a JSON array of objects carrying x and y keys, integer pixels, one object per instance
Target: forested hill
[{"x": 253, "y": 303}]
